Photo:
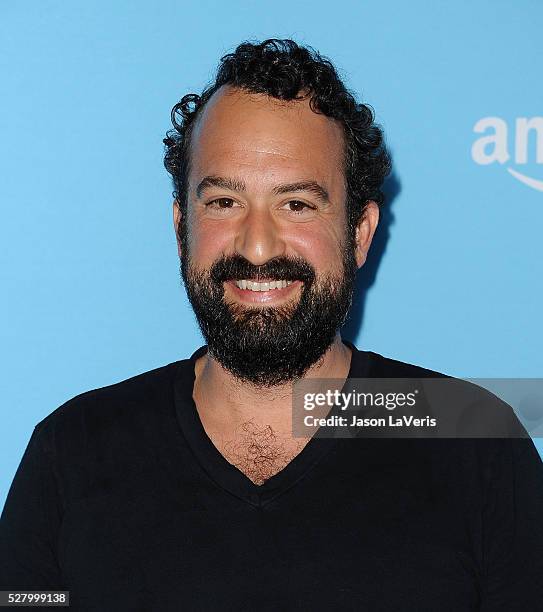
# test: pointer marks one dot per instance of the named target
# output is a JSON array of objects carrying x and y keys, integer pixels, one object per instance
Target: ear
[
  {"x": 176, "y": 221},
  {"x": 365, "y": 230}
]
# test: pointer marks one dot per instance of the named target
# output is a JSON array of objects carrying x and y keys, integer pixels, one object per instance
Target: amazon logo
[{"x": 496, "y": 140}]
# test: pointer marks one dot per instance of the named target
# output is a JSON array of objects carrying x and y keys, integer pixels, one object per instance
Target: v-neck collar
[{"x": 216, "y": 466}]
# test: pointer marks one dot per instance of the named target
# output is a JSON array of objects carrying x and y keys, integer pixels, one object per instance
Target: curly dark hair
[{"x": 285, "y": 70}]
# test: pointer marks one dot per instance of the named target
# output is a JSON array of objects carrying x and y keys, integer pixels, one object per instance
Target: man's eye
[
  {"x": 221, "y": 203},
  {"x": 297, "y": 206}
]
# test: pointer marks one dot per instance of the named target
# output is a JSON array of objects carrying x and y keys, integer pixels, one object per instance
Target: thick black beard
[{"x": 269, "y": 346}]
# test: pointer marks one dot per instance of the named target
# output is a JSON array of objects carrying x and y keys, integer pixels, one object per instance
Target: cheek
[
  {"x": 208, "y": 240},
  {"x": 320, "y": 246}
]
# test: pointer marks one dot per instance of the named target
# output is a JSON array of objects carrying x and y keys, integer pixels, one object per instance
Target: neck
[{"x": 225, "y": 404}]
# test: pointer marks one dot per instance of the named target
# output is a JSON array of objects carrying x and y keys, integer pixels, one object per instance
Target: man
[{"x": 183, "y": 488}]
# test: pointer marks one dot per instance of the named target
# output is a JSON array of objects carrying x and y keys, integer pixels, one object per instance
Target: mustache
[{"x": 236, "y": 267}]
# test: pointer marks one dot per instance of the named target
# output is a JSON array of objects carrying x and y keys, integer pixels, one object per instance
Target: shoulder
[
  {"x": 465, "y": 409},
  {"x": 480, "y": 428},
  {"x": 107, "y": 408},
  {"x": 380, "y": 366}
]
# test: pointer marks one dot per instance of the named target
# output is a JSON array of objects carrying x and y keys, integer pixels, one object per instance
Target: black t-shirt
[{"x": 122, "y": 499}]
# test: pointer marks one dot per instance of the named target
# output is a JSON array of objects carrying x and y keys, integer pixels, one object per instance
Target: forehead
[{"x": 256, "y": 135}]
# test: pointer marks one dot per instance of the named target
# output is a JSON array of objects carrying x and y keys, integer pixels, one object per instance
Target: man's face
[{"x": 265, "y": 256}]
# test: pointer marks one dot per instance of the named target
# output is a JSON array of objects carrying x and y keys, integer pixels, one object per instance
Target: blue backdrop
[{"x": 91, "y": 292}]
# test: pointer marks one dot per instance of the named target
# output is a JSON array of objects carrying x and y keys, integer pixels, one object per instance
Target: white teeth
[{"x": 267, "y": 286}]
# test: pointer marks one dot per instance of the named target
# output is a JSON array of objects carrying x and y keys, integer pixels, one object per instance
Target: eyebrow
[{"x": 233, "y": 184}]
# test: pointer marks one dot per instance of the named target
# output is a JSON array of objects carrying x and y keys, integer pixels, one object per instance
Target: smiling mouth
[{"x": 267, "y": 285}]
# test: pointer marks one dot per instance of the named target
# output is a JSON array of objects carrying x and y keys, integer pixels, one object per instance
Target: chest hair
[{"x": 259, "y": 452}]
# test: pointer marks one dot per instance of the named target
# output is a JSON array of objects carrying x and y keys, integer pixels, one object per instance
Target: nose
[{"x": 258, "y": 238}]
